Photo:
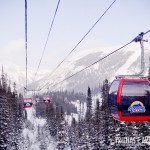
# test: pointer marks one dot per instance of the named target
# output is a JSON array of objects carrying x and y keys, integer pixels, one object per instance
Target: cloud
[
  {"x": 13, "y": 46},
  {"x": 13, "y": 52}
]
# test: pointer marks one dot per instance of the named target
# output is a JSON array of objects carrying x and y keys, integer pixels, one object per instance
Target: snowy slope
[
  {"x": 125, "y": 61},
  {"x": 35, "y": 135}
]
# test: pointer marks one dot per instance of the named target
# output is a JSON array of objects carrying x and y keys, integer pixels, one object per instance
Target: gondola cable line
[
  {"x": 134, "y": 40},
  {"x": 26, "y": 88},
  {"x": 74, "y": 48},
  {"x": 26, "y": 46},
  {"x": 51, "y": 26},
  {"x": 27, "y": 101}
]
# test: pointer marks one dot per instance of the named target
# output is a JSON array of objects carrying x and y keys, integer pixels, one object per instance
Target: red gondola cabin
[
  {"x": 46, "y": 99},
  {"x": 28, "y": 102},
  {"x": 129, "y": 99}
]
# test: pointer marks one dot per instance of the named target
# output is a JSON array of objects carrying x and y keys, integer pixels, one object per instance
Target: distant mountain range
[
  {"x": 17, "y": 74},
  {"x": 125, "y": 61}
]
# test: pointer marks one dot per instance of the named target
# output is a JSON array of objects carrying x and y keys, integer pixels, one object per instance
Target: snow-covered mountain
[
  {"x": 125, "y": 61},
  {"x": 17, "y": 74}
]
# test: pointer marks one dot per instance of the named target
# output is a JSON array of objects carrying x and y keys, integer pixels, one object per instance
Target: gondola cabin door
[
  {"x": 129, "y": 99},
  {"x": 46, "y": 99},
  {"x": 28, "y": 102}
]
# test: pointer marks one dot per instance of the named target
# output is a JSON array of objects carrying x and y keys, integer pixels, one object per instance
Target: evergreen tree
[
  {"x": 9, "y": 90},
  {"x": 0, "y": 87},
  {"x": 10, "y": 118},
  {"x": 83, "y": 136},
  {"x": 86, "y": 125},
  {"x": 62, "y": 140},
  {"x": 4, "y": 81},
  {"x": 73, "y": 134},
  {"x": 14, "y": 90},
  {"x": 51, "y": 120},
  {"x": 96, "y": 125},
  {"x": 108, "y": 126},
  {"x": 88, "y": 117}
]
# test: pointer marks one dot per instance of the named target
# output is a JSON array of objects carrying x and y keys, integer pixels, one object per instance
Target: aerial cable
[
  {"x": 47, "y": 39},
  {"x": 146, "y": 32},
  {"x": 92, "y": 64},
  {"x": 134, "y": 40},
  {"x": 82, "y": 39},
  {"x": 26, "y": 48}
]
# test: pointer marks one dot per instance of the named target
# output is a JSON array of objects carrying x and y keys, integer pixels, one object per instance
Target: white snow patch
[
  {"x": 94, "y": 99},
  {"x": 123, "y": 70},
  {"x": 83, "y": 107},
  {"x": 31, "y": 133},
  {"x": 69, "y": 118}
]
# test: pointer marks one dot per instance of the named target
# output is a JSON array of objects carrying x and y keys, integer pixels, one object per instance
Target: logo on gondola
[
  {"x": 28, "y": 104},
  {"x": 137, "y": 107}
]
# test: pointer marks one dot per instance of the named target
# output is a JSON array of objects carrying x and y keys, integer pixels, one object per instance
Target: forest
[{"x": 93, "y": 130}]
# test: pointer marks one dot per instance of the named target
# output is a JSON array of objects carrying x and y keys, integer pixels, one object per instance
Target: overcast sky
[{"x": 74, "y": 18}]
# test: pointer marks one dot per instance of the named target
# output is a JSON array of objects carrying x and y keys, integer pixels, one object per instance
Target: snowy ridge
[
  {"x": 17, "y": 74},
  {"x": 125, "y": 61}
]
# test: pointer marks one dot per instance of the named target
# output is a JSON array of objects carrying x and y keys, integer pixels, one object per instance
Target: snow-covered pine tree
[
  {"x": 80, "y": 130},
  {"x": 108, "y": 126},
  {"x": 0, "y": 86},
  {"x": 73, "y": 135},
  {"x": 88, "y": 116},
  {"x": 42, "y": 138},
  {"x": 83, "y": 136},
  {"x": 9, "y": 119},
  {"x": 4, "y": 117},
  {"x": 96, "y": 125},
  {"x": 4, "y": 81},
  {"x": 51, "y": 120},
  {"x": 105, "y": 112},
  {"x": 9, "y": 94},
  {"x": 85, "y": 129},
  {"x": 62, "y": 139},
  {"x": 89, "y": 101},
  {"x": 15, "y": 120},
  {"x": 14, "y": 90}
]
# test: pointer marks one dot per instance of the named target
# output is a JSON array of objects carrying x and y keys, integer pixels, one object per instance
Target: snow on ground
[
  {"x": 31, "y": 117},
  {"x": 69, "y": 118},
  {"x": 128, "y": 63},
  {"x": 94, "y": 99},
  {"x": 83, "y": 107},
  {"x": 35, "y": 134},
  {"x": 77, "y": 105}
]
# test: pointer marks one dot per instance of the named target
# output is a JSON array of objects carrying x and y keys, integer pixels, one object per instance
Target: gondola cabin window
[
  {"x": 28, "y": 102},
  {"x": 46, "y": 99},
  {"x": 135, "y": 97},
  {"x": 112, "y": 101}
]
